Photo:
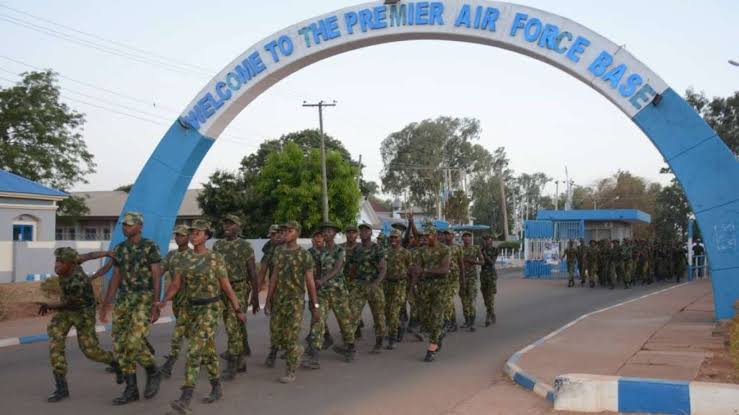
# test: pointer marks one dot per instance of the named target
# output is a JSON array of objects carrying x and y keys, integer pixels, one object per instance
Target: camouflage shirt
[
  {"x": 366, "y": 262},
  {"x": 398, "y": 262},
  {"x": 492, "y": 254},
  {"x": 201, "y": 274},
  {"x": 236, "y": 253},
  {"x": 316, "y": 255},
  {"x": 329, "y": 257},
  {"x": 471, "y": 253},
  {"x": 570, "y": 255},
  {"x": 592, "y": 255},
  {"x": 291, "y": 266},
  {"x": 429, "y": 257},
  {"x": 457, "y": 255},
  {"x": 134, "y": 260},
  {"x": 77, "y": 290},
  {"x": 172, "y": 263}
]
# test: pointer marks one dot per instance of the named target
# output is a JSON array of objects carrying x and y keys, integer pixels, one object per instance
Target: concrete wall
[{"x": 43, "y": 217}]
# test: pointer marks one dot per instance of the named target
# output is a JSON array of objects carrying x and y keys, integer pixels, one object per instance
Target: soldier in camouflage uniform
[
  {"x": 489, "y": 278},
  {"x": 242, "y": 276},
  {"x": 468, "y": 294},
  {"x": 617, "y": 256},
  {"x": 456, "y": 279},
  {"x": 317, "y": 330},
  {"x": 351, "y": 233},
  {"x": 626, "y": 253},
  {"x": 205, "y": 276},
  {"x": 570, "y": 255},
  {"x": 431, "y": 269},
  {"x": 593, "y": 259},
  {"x": 582, "y": 258},
  {"x": 75, "y": 309},
  {"x": 170, "y": 264},
  {"x": 332, "y": 295},
  {"x": 679, "y": 260},
  {"x": 292, "y": 274},
  {"x": 136, "y": 274},
  {"x": 613, "y": 255},
  {"x": 264, "y": 267},
  {"x": 367, "y": 267},
  {"x": 399, "y": 261}
]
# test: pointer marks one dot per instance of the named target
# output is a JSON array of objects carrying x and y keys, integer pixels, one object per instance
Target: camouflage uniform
[
  {"x": 395, "y": 285},
  {"x": 468, "y": 293},
  {"x": 170, "y": 265},
  {"x": 366, "y": 262},
  {"x": 333, "y": 296},
  {"x": 77, "y": 294},
  {"x": 288, "y": 302},
  {"x": 570, "y": 256},
  {"x": 489, "y": 281},
  {"x": 431, "y": 291},
  {"x": 593, "y": 260},
  {"x": 457, "y": 254},
  {"x": 582, "y": 255},
  {"x": 236, "y": 254},
  {"x": 132, "y": 312},
  {"x": 201, "y": 274}
]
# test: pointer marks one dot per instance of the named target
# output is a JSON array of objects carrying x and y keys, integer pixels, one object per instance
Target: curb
[{"x": 596, "y": 393}]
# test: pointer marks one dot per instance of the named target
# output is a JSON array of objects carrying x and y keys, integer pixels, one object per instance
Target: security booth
[{"x": 545, "y": 238}]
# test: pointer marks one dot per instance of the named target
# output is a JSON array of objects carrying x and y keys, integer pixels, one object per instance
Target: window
[
  {"x": 72, "y": 234},
  {"x": 22, "y": 232},
  {"x": 106, "y": 234},
  {"x": 91, "y": 234},
  {"x": 59, "y": 234}
]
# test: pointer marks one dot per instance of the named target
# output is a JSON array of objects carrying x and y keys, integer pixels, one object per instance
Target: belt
[
  {"x": 205, "y": 301},
  {"x": 394, "y": 281}
]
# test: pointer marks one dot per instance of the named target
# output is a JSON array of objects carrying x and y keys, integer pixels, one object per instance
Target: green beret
[
  {"x": 133, "y": 218},
  {"x": 232, "y": 218},
  {"x": 181, "y": 230},
  {"x": 429, "y": 229},
  {"x": 66, "y": 254}
]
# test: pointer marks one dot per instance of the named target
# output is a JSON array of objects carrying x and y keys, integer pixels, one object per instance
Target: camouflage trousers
[
  {"x": 452, "y": 292},
  {"x": 361, "y": 293},
  {"x": 489, "y": 287},
  {"x": 611, "y": 273},
  {"x": 84, "y": 322},
  {"x": 431, "y": 303},
  {"x": 628, "y": 271},
  {"x": 411, "y": 297},
  {"x": 180, "y": 328},
  {"x": 334, "y": 299},
  {"x": 581, "y": 271},
  {"x": 468, "y": 295},
  {"x": 284, "y": 326},
  {"x": 570, "y": 271},
  {"x": 131, "y": 325},
  {"x": 235, "y": 328},
  {"x": 620, "y": 274},
  {"x": 395, "y": 293},
  {"x": 593, "y": 274},
  {"x": 202, "y": 322}
]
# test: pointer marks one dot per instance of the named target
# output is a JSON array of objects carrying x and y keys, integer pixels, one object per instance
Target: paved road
[{"x": 389, "y": 383}]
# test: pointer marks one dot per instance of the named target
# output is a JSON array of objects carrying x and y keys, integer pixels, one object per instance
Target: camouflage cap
[
  {"x": 329, "y": 225},
  {"x": 429, "y": 230},
  {"x": 133, "y": 218},
  {"x": 316, "y": 233},
  {"x": 274, "y": 228},
  {"x": 201, "y": 225},
  {"x": 487, "y": 236},
  {"x": 291, "y": 224},
  {"x": 364, "y": 225},
  {"x": 232, "y": 218},
  {"x": 466, "y": 233},
  {"x": 381, "y": 236},
  {"x": 66, "y": 254},
  {"x": 399, "y": 226},
  {"x": 396, "y": 233},
  {"x": 350, "y": 228},
  {"x": 181, "y": 230}
]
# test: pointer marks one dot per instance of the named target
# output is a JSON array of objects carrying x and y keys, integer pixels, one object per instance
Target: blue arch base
[
  {"x": 162, "y": 183},
  {"x": 709, "y": 175}
]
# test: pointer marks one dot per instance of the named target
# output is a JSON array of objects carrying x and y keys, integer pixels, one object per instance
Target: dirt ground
[
  {"x": 20, "y": 299},
  {"x": 718, "y": 366}
]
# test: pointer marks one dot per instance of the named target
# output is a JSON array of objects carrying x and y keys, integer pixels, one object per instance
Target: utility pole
[
  {"x": 324, "y": 180},
  {"x": 359, "y": 176},
  {"x": 556, "y": 195}
]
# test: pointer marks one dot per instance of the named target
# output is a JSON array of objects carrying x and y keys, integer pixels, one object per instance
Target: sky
[{"x": 544, "y": 118}]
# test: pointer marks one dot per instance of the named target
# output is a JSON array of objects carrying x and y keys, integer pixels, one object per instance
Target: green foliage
[
  {"x": 722, "y": 114},
  {"x": 71, "y": 209},
  {"x": 41, "y": 136},
  {"x": 672, "y": 213},
  {"x": 50, "y": 287},
  {"x": 457, "y": 208}
]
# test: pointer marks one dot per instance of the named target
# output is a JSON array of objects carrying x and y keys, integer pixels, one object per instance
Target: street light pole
[{"x": 324, "y": 180}]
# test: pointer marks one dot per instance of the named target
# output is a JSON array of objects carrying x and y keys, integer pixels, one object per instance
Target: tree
[
  {"x": 672, "y": 213},
  {"x": 41, "y": 137},
  {"x": 417, "y": 158},
  {"x": 457, "y": 208},
  {"x": 722, "y": 114},
  {"x": 228, "y": 192},
  {"x": 487, "y": 205}
]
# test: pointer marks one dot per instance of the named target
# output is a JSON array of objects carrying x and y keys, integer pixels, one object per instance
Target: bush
[{"x": 50, "y": 287}]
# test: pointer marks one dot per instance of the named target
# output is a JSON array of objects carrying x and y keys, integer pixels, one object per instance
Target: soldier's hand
[
  {"x": 103, "y": 314},
  {"x": 43, "y": 309},
  {"x": 241, "y": 316},
  {"x": 315, "y": 314},
  {"x": 155, "y": 313}
]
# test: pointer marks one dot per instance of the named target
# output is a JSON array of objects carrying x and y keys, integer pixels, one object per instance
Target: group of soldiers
[
  {"x": 608, "y": 263},
  {"x": 409, "y": 280}
]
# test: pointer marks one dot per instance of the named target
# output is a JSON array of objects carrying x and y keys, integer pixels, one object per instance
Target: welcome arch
[{"x": 705, "y": 167}]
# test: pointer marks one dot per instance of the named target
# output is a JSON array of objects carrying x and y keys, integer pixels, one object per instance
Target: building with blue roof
[{"x": 27, "y": 213}]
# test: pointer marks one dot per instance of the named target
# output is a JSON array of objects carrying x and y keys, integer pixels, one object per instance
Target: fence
[{"x": 544, "y": 245}]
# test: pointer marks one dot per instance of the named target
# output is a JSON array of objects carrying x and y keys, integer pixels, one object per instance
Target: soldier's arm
[
  {"x": 102, "y": 271},
  {"x": 271, "y": 290},
  {"x": 310, "y": 285},
  {"x": 442, "y": 269},
  {"x": 382, "y": 266},
  {"x": 262, "y": 273},
  {"x": 93, "y": 255},
  {"x": 112, "y": 289},
  {"x": 460, "y": 261},
  {"x": 172, "y": 288},
  {"x": 251, "y": 268},
  {"x": 334, "y": 271},
  {"x": 156, "y": 274},
  {"x": 230, "y": 294}
]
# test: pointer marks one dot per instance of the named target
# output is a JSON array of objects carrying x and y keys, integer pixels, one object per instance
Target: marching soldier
[
  {"x": 570, "y": 254},
  {"x": 489, "y": 278},
  {"x": 593, "y": 259},
  {"x": 292, "y": 274},
  {"x": 239, "y": 257},
  {"x": 316, "y": 334},
  {"x": 75, "y": 309},
  {"x": 626, "y": 253},
  {"x": 267, "y": 249},
  {"x": 350, "y": 233},
  {"x": 399, "y": 261},
  {"x": 431, "y": 270},
  {"x": 617, "y": 255},
  {"x": 582, "y": 258},
  {"x": 456, "y": 278},
  {"x": 612, "y": 255},
  {"x": 367, "y": 267},
  {"x": 136, "y": 273},
  {"x": 468, "y": 294},
  {"x": 170, "y": 264},
  {"x": 205, "y": 275}
]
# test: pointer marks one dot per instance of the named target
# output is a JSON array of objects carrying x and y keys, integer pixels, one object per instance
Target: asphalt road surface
[{"x": 392, "y": 382}]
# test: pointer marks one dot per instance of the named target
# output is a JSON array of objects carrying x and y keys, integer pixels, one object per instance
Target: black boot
[
  {"x": 390, "y": 343},
  {"x": 271, "y": 357},
  {"x": 216, "y": 392},
  {"x": 401, "y": 334},
  {"x": 247, "y": 348},
  {"x": 471, "y": 327},
  {"x": 350, "y": 352},
  {"x": 466, "y": 324},
  {"x": 131, "y": 393},
  {"x": 62, "y": 390},
  {"x": 182, "y": 405},
  {"x": 118, "y": 374},
  {"x": 230, "y": 373},
  {"x": 453, "y": 326},
  {"x": 166, "y": 369},
  {"x": 153, "y": 378},
  {"x": 358, "y": 333},
  {"x": 311, "y": 359},
  {"x": 328, "y": 341},
  {"x": 592, "y": 284},
  {"x": 430, "y": 356},
  {"x": 378, "y": 345},
  {"x": 241, "y": 364}
]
